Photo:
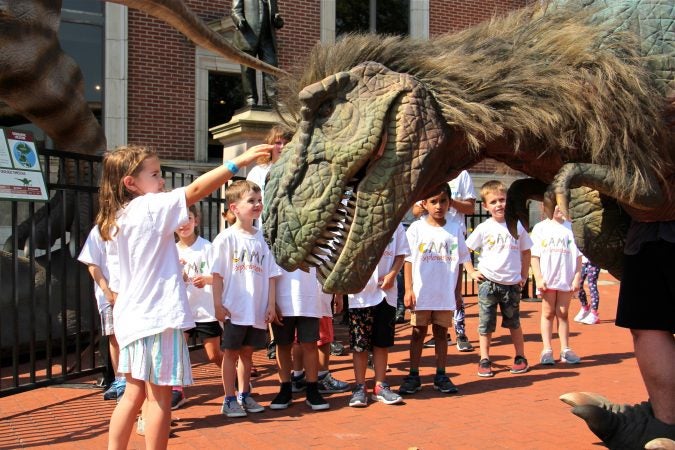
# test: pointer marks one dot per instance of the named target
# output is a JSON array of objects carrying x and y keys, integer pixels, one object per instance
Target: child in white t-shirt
[
  {"x": 556, "y": 264},
  {"x": 100, "y": 259},
  {"x": 192, "y": 250},
  {"x": 372, "y": 315},
  {"x": 300, "y": 306},
  {"x": 431, "y": 272},
  {"x": 151, "y": 308},
  {"x": 502, "y": 272},
  {"x": 244, "y": 293}
]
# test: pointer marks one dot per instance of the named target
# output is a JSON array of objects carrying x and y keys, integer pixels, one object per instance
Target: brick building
[{"x": 160, "y": 94}]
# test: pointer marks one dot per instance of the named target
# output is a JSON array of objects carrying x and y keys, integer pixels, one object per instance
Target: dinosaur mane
[{"x": 542, "y": 78}]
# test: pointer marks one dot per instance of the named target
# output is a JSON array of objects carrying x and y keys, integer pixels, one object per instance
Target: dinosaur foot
[{"x": 621, "y": 426}]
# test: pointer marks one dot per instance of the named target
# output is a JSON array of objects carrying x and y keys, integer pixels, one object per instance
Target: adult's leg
[{"x": 655, "y": 354}]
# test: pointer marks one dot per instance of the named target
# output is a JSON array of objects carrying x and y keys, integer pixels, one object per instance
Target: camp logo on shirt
[
  {"x": 559, "y": 244},
  {"x": 437, "y": 251},
  {"x": 245, "y": 260},
  {"x": 502, "y": 241}
]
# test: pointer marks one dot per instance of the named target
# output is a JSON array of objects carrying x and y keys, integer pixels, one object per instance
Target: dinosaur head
[{"x": 366, "y": 149}]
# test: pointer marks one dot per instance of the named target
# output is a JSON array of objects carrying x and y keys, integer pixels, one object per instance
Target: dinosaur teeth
[
  {"x": 313, "y": 260},
  {"x": 318, "y": 251}
]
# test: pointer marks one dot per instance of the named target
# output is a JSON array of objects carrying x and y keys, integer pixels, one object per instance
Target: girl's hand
[
  {"x": 252, "y": 154},
  {"x": 222, "y": 313},
  {"x": 199, "y": 281}
]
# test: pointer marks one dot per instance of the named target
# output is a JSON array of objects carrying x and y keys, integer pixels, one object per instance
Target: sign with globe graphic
[{"x": 21, "y": 177}]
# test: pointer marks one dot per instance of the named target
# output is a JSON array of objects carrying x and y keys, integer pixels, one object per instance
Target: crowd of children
[{"x": 160, "y": 283}]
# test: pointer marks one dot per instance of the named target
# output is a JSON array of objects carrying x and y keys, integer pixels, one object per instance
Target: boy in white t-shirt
[
  {"x": 244, "y": 294},
  {"x": 431, "y": 272},
  {"x": 556, "y": 264},
  {"x": 300, "y": 305},
  {"x": 372, "y": 315},
  {"x": 502, "y": 272}
]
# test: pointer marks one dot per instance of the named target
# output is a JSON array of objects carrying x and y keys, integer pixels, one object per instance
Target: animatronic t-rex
[
  {"x": 42, "y": 83},
  {"x": 578, "y": 96}
]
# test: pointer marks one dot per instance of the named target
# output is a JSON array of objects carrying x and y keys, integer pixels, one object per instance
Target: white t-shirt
[
  {"x": 299, "y": 293},
  {"x": 435, "y": 255},
  {"x": 152, "y": 295},
  {"x": 258, "y": 174},
  {"x": 102, "y": 254},
  {"x": 500, "y": 253},
  {"x": 553, "y": 243},
  {"x": 372, "y": 294},
  {"x": 200, "y": 299},
  {"x": 245, "y": 263},
  {"x": 462, "y": 189}
]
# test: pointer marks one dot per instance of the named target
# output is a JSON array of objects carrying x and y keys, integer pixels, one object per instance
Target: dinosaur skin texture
[
  {"x": 560, "y": 93},
  {"x": 569, "y": 94}
]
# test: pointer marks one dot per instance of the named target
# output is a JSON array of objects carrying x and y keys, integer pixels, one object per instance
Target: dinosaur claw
[
  {"x": 660, "y": 444},
  {"x": 585, "y": 398}
]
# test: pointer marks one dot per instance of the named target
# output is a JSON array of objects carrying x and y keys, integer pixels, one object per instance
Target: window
[{"x": 374, "y": 16}]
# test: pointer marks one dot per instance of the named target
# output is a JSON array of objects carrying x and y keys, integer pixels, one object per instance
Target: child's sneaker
[
  {"x": 298, "y": 383},
  {"x": 442, "y": 383},
  {"x": 329, "y": 385},
  {"x": 248, "y": 404},
  {"x": 546, "y": 358},
  {"x": 232, "y": 409},
  {"x": 337, "y": 348},
  {"x": 463, "y": 344},
  {"x": 569, "y": 356},
  {"x": 178, "y": 398},
  {"x": 519, "y": 365},
  {"x": 411, "y": 384},
  {"x": 111, "y": 392},
  {"x": 284, "y": 398},
  {"x": 315, "y": 400},
  {"x": 591, "y": 318},
  {"x": 383, "y": 394},
  {"x": 485, "y": 368},
  {"x": 583, "y": 312},
  {"x": 359, "y": 399}
]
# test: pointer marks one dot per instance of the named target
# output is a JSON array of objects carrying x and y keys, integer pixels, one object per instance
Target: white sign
[{"x": 20, "y": 173}]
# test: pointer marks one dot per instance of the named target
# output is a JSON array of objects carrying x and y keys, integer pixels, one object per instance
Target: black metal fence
[{"x": 49, "y": 324}]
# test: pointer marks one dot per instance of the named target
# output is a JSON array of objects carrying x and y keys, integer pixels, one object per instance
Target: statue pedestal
[{"x": 248, "y": 127}]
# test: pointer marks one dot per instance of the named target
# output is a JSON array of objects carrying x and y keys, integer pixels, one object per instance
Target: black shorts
[
  {"x": 205, "y": 330},
  {"x": 647, "y": 292},
  {"x": 307, "y": 330},
  {"x": 373, "y": 326},
  {"x": 238, "y": 336}
]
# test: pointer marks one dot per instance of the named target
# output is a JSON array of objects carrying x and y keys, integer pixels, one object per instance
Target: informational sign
[{"x": 20, "y": 173}]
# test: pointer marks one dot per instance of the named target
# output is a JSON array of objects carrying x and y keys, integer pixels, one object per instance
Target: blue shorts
[{"x": 491, "y": 294}]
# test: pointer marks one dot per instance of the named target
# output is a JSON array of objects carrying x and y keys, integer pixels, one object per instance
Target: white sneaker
[
  {"x": 591, "y": 318},
  {"x": 583, "y": 312},
  {"x": 232, "y": 409},
  {"x": 568, "y": 356},
  {"x": 140, "y": 426}
]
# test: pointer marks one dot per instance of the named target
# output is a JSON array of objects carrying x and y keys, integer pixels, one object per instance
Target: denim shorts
[{"x": 491, "y": 294}]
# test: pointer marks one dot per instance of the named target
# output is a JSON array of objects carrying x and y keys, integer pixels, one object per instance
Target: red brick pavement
[{"x": 504, "y": 412}]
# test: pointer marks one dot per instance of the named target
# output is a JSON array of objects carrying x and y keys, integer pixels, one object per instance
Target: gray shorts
[
  {"x": 107, "y": 328},
  {"x": 238, "y": 336},
  {"x": 491, "y": 294},
  {"x": 307, "y": 329}
]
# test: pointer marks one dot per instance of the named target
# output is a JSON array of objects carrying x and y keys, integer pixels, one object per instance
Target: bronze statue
[{"x": 256, "y": 22}]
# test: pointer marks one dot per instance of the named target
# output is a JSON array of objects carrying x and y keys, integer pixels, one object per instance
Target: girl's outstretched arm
[{"x": 213, "y": 179}]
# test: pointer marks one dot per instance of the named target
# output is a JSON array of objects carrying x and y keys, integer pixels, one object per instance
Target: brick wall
[
  {"x": 453, "y": 15},
  {"x": 161, "y": 103}
]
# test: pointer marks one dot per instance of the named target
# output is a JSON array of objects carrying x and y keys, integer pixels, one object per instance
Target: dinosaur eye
[{"x": 325, "y": 109}]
